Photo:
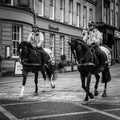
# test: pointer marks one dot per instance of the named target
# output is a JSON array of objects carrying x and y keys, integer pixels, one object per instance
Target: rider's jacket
[
  {"x": 36, "y": 39},
  {"x": 93, "y": 36}
]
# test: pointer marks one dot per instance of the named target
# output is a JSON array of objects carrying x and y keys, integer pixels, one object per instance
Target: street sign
[{"x": 18, "y": 68}]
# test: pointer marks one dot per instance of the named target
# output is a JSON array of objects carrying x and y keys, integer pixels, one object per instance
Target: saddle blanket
[
  {"x": 108, "y": 54},
  {"x": 50, "y": 53}
]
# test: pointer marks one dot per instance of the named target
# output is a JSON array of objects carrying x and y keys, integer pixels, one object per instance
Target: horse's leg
[
  {"x": 23, "y": 83},
  {"x": 96, "y": 84},
  {"x": 44, "y": 77},
  {"x": 105, "y": 89},
  {"x": 83, "y": 83},
  {"x": 51, "y": 81},
  {"x": 84, "y": 87},
  {"x": 50, "y": 74},
  {"x": 88, "y": 88},
  {"x": 36, "y": 84},
  {"x": 106, "y": 77}
]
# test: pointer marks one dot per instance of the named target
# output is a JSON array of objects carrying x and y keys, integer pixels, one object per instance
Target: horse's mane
[
  {"x": 28, "y": 44},
  {"x": 79, "y": 41}
]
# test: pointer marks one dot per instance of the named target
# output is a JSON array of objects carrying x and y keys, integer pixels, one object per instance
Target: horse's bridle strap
[{"x": 86, "y": 64}]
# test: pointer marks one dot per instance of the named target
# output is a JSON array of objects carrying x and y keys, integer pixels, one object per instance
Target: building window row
[
  {"x": 39, "y": 7},
  {"x": 71, "y": 12},
  {"x": 111, "y": 13}
]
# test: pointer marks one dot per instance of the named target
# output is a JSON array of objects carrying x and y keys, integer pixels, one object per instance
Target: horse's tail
[
  {"x": 106, "y": 76},
  {"x": 50, "y": 70}
]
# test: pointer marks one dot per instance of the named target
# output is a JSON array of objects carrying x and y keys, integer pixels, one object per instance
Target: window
[
  {"x": 62, "y": 10},
  {"x": 43, "y": 35},
  {"x": 16, "y": 39},
  {"x": 24, "y": 3},
  {"x": 70, "y": 11},
  {"x": 105, "y": 19},
  {"x": 85, "y": 17},
  {"x": 116, "y": 16},
  {"x": 111, "y": 13},
  {"x": 6, "y": 2},
  {"x": 34, "y": 6},
  {"x": 78, "y": 14},
  {"x": 52, "y": 9},
  {"x": 62, "y": 45},
  {"x": 69, "y": 50},
  {"x": 52, "y": 43},
  {"x": 107, "y": 11},
  {"x": 111, "y": 17},
  {"x": 41, "y": 7},
  {"x": 91, "y": 15}
]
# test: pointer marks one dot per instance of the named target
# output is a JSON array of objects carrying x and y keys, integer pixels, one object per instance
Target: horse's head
[
  {"x": 78, "y": 49},
  {"x": 23, "y": 50}
]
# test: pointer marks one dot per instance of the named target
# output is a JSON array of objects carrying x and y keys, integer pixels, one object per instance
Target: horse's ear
[{"x": 69, "y": 43}]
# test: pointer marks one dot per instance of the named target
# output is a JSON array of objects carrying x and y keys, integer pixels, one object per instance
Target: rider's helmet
[
  {"x": 91, "y": 25},
  {"x": 35, "y": 28}
]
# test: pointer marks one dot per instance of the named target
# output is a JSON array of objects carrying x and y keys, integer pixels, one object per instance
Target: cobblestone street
[{"x": 67, "y": 93}]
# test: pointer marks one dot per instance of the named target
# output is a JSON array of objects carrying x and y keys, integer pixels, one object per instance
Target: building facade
[
  {"x": 107, "y": 18},
  {"x": 58, "y": 20}
]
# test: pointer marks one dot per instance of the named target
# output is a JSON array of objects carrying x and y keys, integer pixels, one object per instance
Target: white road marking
[
  {"x": 92, "y": 110},
  {"x": 8, "y": 114},
  {"x": 101, "y": 112},
  {"x": 57, "y": 115}
]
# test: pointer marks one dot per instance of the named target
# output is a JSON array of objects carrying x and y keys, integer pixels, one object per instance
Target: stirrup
[{"x": 45, "y": 65}]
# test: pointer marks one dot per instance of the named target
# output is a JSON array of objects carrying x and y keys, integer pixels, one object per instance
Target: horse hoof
[
  {"x": 91, "y": 95},
  {"x": 53, "y": 86},
  {"x": 20, "y": 96},
  {"x": 104, "y": 95},
  {"x": 35, "y": 94},
  {"x": 96, "y": 93},
  {"x": 84, "y": 103}
]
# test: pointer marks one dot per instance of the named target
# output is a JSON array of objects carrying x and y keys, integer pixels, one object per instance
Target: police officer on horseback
[
  {"x": 36, "y": 39},
  {"x": 93, "y": 38}
]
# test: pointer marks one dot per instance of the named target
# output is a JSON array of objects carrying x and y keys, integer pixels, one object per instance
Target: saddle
[
  {"x": 50, "y": 53},
  {"x": 108, "y": 54},
  {"x": 35, "y": 57},
  {"x": 101, "y": 56}
]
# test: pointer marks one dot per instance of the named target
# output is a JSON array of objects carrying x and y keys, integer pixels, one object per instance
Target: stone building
[
  {"x": 107, "y": 18},
  {"x": 58, "y": 20}
]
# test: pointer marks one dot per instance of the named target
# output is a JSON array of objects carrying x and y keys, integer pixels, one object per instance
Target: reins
[{"x": 83, "y": 57}]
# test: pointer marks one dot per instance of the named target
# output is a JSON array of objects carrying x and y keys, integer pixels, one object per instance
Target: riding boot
[
  {"x": 102, "y": 61},
  {"x": 100, "y": 56},
  {"x": 44, "y": 57}
]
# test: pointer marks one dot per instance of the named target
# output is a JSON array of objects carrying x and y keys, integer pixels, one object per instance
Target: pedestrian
[{"x": 93, "y": 38}]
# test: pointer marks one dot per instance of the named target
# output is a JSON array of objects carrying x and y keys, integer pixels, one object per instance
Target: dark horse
[
  {"x": 31, "y": 62},
  {"x": 88, "y": 64}
]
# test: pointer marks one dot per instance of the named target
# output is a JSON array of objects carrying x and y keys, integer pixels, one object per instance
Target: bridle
[
  {"x": 23, "y": 53},
  {"x": 82, "y": 57}
]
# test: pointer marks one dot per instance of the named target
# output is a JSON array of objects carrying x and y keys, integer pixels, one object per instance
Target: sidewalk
[{"x": 59, "y": 75}]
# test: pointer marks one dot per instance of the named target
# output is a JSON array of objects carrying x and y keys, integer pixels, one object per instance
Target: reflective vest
[
  {"x": 94, "y": 36},
  {"x": 36, "y": 39}
]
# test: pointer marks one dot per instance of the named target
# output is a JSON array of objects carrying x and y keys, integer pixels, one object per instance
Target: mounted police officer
[
  {"x": 93, "y": 38},
  {"x": 36, "y": 39}
]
